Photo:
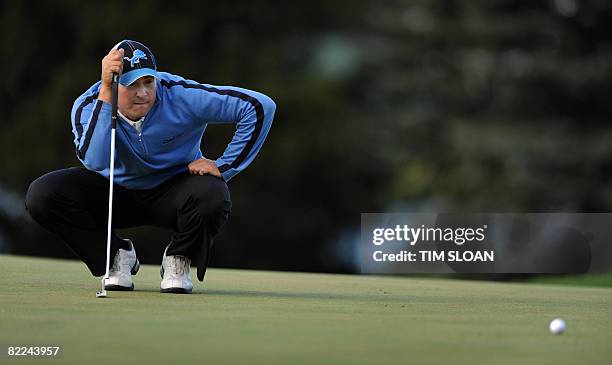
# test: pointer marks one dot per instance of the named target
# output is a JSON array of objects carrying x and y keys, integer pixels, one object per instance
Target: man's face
[{"x": 136, "y": 100}]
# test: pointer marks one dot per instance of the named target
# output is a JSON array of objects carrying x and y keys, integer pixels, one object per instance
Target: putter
[{"x": 114, "y": 92}]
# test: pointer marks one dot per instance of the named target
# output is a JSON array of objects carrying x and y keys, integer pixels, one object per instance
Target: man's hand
[
  {"x": 204, "y": 166},
  {"x": 111, "y": 63}
]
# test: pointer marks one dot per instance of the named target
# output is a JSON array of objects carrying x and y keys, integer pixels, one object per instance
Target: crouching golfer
[{"x": 161, "y": 177}]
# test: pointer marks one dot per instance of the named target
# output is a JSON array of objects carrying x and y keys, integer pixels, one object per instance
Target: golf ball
[{"x": 557, "y": 326}]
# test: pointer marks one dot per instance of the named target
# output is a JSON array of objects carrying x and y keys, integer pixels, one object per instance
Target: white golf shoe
[
  {"x": 125, "y": 264},
  {"x": 175, "y": 274}
]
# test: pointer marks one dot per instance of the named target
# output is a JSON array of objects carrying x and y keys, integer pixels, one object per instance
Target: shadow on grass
[
  {"x": 381, "y": 296},
  {"x": 378, "y": 296}
]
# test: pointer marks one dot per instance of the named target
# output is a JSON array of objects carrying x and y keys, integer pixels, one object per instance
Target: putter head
[{"x": 101, "y": 294}]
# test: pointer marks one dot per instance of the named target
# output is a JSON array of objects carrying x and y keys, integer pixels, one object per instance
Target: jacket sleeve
[
  {"x": 91, "y": 128},
  {"x": 252, "y": 113}
]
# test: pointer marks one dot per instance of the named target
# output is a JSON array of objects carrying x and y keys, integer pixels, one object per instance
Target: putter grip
[{"x": 115, "y": 95}]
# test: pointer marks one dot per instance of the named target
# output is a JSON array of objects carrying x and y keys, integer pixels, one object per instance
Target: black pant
[{"x": 73, "y": 203}]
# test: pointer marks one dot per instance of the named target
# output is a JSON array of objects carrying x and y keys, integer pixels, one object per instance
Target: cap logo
[{"x": 137, "y": 55}]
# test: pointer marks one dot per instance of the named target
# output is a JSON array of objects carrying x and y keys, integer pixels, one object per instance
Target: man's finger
[{"x": 117, "y": 52}]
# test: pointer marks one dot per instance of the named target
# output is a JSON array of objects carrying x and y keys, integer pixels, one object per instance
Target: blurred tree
[{"x": 400, "y": 105}]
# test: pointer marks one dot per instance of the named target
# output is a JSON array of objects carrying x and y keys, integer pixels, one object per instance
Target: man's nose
[{"x": 141, "y": 91}]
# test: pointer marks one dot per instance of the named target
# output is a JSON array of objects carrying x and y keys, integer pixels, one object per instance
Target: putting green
[{"x": 251, "y": 317}]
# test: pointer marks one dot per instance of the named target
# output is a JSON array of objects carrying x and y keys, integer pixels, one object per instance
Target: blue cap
[{"x": 138, "y": 61}]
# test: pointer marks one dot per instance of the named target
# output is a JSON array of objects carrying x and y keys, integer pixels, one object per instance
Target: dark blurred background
[{"x": 394, "y": 106}]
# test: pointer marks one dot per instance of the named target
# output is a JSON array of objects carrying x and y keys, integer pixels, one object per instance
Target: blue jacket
[{"x": 171, "y": 132}]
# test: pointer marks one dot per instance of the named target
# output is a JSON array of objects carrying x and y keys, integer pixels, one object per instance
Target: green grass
[
  {"x": 256, "y": 317},
  {"x": 601, "y": 280}
]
